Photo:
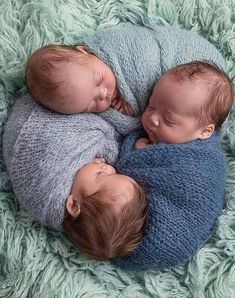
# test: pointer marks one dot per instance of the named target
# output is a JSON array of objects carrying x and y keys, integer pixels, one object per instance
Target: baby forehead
[
  {"x": 119, "y": 185},
  {"x": 172, "y": 78},
  {"x": 120, "y": 182},
  {"x": 169, "y": 85},
  {"x": 119, "y": 189},
  {"x": 172, "y": 96}
]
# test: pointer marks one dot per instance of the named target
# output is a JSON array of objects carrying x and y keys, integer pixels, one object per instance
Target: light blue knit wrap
[
  {"x": 138, "y": 57},
  {"x": 44, "y": 150}
]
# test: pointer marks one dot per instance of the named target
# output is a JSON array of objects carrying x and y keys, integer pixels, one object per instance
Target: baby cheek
[
  {"x": 111, "y": 80},
  {"x": 101, "y": 105},
  {"x": 170, "y": 135},
  {"x": 144, "y": 118},
  {"x": 91, "y": 106}
]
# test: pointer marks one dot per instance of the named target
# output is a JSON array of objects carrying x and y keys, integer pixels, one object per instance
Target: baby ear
[
  {"x": 73, "y": 206},
  {"x": 82, "y": 49},
  {"x": 207, "y": 131}
]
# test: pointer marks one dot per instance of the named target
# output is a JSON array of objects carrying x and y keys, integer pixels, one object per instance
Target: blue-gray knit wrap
[
  {"x": 184, "y": 185},
  {"x": 138, "y": 57},
  {"x": 43, "y": 151}
]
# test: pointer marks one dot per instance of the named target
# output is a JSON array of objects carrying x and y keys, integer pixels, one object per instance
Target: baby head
[
  {"x": 188, "y": 102},
  {"x": 105, "y": 212},
  {"x": 70, "y": 80}
]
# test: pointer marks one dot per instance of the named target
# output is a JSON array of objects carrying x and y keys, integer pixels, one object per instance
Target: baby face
[
  {"x": 99, "y": 175},
  {"x": 170, "y": 114},
  {"x": 91, "y": 86}
]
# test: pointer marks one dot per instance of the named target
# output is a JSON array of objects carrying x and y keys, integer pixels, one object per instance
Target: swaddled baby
[
  {"x": 116, "y": 67},
  {"x": 59, "y": 172},
  {"x": 179, "y": 163}
]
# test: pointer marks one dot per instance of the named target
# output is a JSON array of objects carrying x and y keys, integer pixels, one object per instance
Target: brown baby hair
[
  {"x": 220, "y": 98},
  {"x": 103, "y": 234},
  {"x": 44, "y": 68}
]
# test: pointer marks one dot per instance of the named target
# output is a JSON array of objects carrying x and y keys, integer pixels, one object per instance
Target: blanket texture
[
  {"x": 139, "y": 56},
  {"x": 36, "y": 262},
  {"x": 184, "y": 185},
  {"x": 44, "y": 150}
]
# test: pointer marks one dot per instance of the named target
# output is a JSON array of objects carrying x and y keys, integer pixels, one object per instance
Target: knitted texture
[
  {"x": 36, "y": 262},
  {"x": 184, "y": 185},
  {"x": 138, "y": 57},
  {"x": 44, "y": 150}
]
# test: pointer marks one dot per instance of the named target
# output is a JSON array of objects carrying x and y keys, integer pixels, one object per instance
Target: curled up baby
[
  {"x": 60, "y": 168},
  {"x": 72, "y": 80},
  {"x": 179, "y": 162}
]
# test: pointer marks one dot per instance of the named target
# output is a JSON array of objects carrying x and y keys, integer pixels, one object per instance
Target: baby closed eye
[
  {"x": 99, "y": 79},
  {"x": 168, "y": 122}
]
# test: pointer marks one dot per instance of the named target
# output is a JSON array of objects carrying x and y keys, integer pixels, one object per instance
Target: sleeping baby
[
  {"x": 59, "y": 166},
  {"x": 179, "y": 163}
]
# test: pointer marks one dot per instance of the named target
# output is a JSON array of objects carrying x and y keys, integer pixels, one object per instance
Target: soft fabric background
[{"x": 35, "y": 262}]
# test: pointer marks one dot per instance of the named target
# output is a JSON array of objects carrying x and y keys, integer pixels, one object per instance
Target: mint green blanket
[{"x": 35, "y": 262}]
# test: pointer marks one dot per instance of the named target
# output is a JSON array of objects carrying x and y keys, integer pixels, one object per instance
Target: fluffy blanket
[
  {"x": 184, "y": 185},
  {"x": 36, "y": 262},
  {"x": 140, "y": 55}
]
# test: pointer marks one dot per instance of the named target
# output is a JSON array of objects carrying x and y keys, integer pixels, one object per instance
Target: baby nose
[
  {"x": 155, "y": 121},
  {"x": 103, "y": 93}
]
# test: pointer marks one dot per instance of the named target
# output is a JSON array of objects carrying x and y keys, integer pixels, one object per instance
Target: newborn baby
[
  {"x": 56, "y": 175},
  {"x": 117, "y": 67},
  {"x": 179, "y": 163}
]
